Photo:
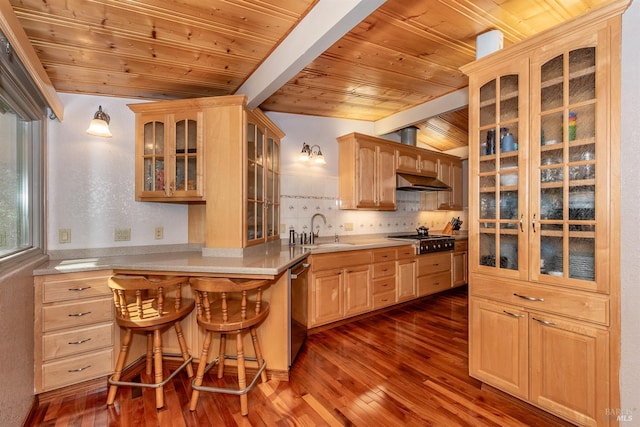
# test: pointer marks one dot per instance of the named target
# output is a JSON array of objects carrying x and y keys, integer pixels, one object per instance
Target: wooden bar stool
[
  {"x": 227, "y": 306},
  {"x": 149, "y": 305}
]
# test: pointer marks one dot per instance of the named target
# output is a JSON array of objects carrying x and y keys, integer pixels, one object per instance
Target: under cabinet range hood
[{"x": 408, "y": 182}]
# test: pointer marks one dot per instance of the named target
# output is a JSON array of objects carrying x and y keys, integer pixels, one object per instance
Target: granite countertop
[{"x": 271, "y": 259}]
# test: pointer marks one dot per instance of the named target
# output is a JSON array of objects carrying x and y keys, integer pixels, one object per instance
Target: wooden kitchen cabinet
[
  {"x": 544, "y": 216},
  {"x": 340, "y": 286},
  {"x": 459, "y": 263},
  {"x": 569, "y": 363},
  {"x": 169, "y": 152},
  {"x": 407, "y": 274},
  {"x": 501, "y": 353},
  {"x": 434, "y": 273},
  {"x": 384, "y": 277},
  {"x": 219, "y": 156},
  {"x": 416, "y": 161},
  {"x": 367, "y": 174},
  {"x": 74, "y": 329},
  {"x": 357, "y": 290},
  {"x": 450, "y": 172}
]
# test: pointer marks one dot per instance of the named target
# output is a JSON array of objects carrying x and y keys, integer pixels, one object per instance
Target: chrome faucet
[{"x": 312, "y": 235}]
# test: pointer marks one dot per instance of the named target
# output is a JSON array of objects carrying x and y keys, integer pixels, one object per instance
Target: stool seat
[
  {"x": 226, "y": 306},
  {"x": 149, "y": 305}
]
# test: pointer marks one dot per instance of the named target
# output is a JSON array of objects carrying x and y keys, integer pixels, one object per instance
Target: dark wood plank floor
[{"x": 404, "y": 367}]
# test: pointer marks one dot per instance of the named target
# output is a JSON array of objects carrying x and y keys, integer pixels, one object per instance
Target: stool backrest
[
  {"x": 222, "y": 291},
  {"x": 143, "y": 297}
]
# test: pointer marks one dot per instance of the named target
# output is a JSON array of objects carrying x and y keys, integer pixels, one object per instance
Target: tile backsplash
[{"x": 304, "y": 196}]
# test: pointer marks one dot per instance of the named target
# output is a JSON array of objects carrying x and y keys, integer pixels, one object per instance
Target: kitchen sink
[
  {"x": 328, "y": 245},
  {"x": 334, "y": 245}
]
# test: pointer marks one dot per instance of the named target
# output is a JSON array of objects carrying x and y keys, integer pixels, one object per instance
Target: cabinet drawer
[
  {"x": 382, "y": 255},
  {"x": 433, "y": 283},
  {"x": 593, "y": 308},
  {"x": 384, "y": 285},
  {"x": 434, "y": 263},
  {"x": 66, "y": 288},
  {"x": 77, "y": 369},
  {"x": 77, "y": 341},
  {"x": 461, "y": 246},
  {"x": 405, "y": 252},
  {"x": 384, "y": 299},
  {"x": 77, "y": 314},
  {"x": 340, "y": 260},
  {"x": 384, "y": 269}
]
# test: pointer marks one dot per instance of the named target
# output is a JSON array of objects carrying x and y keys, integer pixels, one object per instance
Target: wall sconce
[
  {"x": 100, "y": 124},
  {"x": 312, "y": 153}
]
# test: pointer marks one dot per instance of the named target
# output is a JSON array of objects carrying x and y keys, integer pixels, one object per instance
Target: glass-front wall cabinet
[
  {"x": 171, "y": 157},
  {"x": 501, "y": 194},
  {"x": 263, "y": 185},
  {"x": 567, "y": 153}
]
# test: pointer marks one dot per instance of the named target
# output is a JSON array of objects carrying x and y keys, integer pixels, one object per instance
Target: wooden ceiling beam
[{"x": 325, "y": 24}]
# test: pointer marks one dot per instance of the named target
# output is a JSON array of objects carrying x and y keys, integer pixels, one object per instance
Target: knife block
[{"x": 448, "y": 229}]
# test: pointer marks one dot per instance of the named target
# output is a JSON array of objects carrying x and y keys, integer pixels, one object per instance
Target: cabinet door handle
[
  {"x": 79, "y": 289},
  {"x": 79, "y": 342},
  {"x": 436, "y": 283},
  {"x": 82, "y": 313},
  {"x": 79, "y": 369},
  {"x": 528, "y": 298},
  {"x": 521, "y": 221},
  {"x": 513, "y": 314},
  {"x": 545, "y": 322},
  {"x": 533, "y": 223}
]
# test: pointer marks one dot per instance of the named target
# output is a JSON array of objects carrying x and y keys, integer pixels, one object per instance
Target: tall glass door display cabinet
[{"x": 544, "y": 192}]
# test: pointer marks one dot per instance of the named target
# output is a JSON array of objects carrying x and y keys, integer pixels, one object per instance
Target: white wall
[
  {"x": 630, "y": 208},
  {"x": 90, "y": 182}
]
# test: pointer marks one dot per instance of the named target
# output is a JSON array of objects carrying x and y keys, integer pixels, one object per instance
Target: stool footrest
[
  {"x": 154, "y": 385},
  {"x": 230, "y": 390}
]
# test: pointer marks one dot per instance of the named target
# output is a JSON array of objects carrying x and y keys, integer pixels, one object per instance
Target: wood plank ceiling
[{"x": 404, "y": 54}]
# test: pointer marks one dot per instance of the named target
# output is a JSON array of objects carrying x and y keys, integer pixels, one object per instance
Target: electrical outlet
[
  {"x": 64, "y": 235},
  {"x": 122, "y": 234},
  {"x": 348, "y": 226},
  {"x": 159, "y": 233}
]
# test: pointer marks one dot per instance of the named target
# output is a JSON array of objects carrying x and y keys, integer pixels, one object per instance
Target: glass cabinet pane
[
  {"x": 186, "y": 154},
  {"x": 508, "y": 97},
  {"x": 488, "y": 103},
  {"x": 153, "y": 161}
]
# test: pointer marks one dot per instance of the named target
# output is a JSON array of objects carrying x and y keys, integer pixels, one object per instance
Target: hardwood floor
[{"x": 404, "y": 367}]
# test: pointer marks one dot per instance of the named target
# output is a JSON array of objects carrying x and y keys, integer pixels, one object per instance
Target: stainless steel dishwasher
[{"x": 298, "y": 311}]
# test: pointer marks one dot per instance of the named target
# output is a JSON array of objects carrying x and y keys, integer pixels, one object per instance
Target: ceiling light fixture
[
  {"x": 313, "y": 153},
  {"x": 100, "y": 124}
]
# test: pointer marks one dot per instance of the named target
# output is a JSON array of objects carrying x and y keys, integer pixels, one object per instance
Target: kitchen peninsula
[{"x": 67, "y": 287}]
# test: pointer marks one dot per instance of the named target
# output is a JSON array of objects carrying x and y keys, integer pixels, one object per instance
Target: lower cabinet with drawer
[
  {"x": 75, "y": 331},
  {"x": 340, "y": 286},
  {"x": 434, "y": 273},
  {"x": 548, "y": 346}
]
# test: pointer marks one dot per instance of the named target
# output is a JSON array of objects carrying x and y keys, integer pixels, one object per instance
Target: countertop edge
[{"x": 273, "y": 261}]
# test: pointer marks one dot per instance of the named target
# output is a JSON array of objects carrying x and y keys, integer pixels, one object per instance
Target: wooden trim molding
[{"x": 21, "y": 45}]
